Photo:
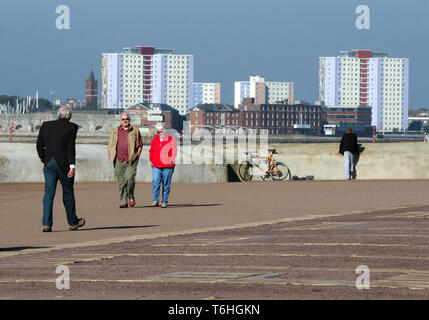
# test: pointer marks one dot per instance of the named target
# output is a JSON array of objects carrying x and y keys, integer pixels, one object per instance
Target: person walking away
[
  {"x": 56, "y": 147},
  {"x": 349, "y": 149},
  {"x": 124, "y": 148},
  {"x": 162, "y": 154}
]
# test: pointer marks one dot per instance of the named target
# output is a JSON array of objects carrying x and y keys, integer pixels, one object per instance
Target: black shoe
[
  {"x": 81, "y": 223},
  {"x": 47, "y": 229},
  {"x": 123, "y": 206}
]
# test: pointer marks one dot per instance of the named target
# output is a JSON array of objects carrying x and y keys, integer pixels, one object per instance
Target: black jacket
[
  {"x": 349, "y": 143},
  {"x": 57, "y": 139}
]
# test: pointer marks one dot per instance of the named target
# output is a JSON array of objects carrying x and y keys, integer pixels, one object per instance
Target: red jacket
[{"x": 163, "y": 153}]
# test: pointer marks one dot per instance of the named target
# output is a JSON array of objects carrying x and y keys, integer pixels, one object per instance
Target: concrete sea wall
[
  {"x": 407, "y": 160},
  {"x": 19, "y": 163},
  {"x": 89, "y": 123}
]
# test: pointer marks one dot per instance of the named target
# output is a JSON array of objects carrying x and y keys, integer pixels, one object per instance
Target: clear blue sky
[{"x": 230, "y": 39}]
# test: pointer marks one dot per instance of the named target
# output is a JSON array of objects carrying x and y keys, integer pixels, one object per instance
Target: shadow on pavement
[
  {"x": 118, "y": 227},
  {"x": 20, "y": 248},
  {"x": 185, "y": 205},
  {"x": 107, "y": 228}
]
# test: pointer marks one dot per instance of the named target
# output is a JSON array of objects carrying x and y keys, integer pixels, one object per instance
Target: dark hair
[{"x": 349, "y": 130}]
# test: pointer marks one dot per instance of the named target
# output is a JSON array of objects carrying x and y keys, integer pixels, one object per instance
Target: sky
[{"x": 230, "y": 40}]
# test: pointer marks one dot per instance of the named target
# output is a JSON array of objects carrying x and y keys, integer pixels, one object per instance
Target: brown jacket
[{"x": 133, "y": 136}]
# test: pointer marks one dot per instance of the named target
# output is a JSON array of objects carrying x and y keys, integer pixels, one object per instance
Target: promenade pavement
[
  {"x": 192, "y": 207},
  {"x": 186, "y": 244}
]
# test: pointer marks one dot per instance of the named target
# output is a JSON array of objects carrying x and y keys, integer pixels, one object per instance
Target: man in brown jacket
[{"x": 125, "y": 147}]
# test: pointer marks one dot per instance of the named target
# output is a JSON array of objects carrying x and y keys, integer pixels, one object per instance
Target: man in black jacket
[
  {"x": 56, "y": 149},
  {"x": 349, "y": 148}
]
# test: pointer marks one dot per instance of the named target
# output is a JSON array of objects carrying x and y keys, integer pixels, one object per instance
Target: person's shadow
[
  {"x": 111, "y": 228},
  {"x": 356, "y": 160},
  {"x": 185, "y": 205},
  {"x": 119, "y": 227},
  {"x": 20, "y": 248}
]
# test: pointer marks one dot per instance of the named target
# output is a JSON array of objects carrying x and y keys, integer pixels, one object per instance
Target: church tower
[{"x": 91, "y": 90}]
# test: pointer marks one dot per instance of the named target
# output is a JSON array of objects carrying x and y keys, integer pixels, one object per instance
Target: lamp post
[{"x": 52, "y": 97}]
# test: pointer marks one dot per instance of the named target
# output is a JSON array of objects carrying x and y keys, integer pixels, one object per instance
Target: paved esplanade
[{"x": 262, "y": 240}]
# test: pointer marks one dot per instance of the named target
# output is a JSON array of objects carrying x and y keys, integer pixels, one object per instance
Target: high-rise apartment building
[
  {"x": 263, "y": 91},
  {"x": 241, "y": 91},
  {"x": 365, "y": 78},
  {"x": 147, "y": 75},
  {"x": 206, "y": 93},
  {"x": 131, "y": 80}
]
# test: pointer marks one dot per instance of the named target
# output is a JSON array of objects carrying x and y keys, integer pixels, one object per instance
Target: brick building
[
  {"x": 214, "y": 116},
  {"x": 343, "y": 117},
  {"x": 279, "y": 118},
  {"x": 91, "y": 90},
  {"x": 152, "y": 113}
]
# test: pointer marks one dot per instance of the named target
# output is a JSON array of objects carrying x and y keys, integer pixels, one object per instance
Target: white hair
[
  {"x": 64, "y": 112},
  {"x": 160, "y": 126}
]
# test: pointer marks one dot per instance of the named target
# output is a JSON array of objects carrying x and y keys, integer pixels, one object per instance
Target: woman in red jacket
[{"x": 162, "y": 154}]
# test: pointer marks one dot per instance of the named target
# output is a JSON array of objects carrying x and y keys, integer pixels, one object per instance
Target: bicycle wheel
[
  {"x": 282, "y": 173},
  {"x": 245, "y": 171}
]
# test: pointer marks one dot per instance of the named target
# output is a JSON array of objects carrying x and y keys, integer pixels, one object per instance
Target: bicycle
[{"x": 275, "y": 169}]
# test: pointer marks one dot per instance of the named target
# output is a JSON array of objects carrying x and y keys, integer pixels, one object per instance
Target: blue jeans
[
  {"x": 161, "y": 176},
  {"x": 53, "y": 173}
]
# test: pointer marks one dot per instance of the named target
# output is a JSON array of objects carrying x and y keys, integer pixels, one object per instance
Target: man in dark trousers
[
  {"x": 349, "y": 149},
  {"x": 56, "y": 149}
]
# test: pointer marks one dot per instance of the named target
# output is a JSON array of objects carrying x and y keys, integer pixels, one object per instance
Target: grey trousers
[{"x": 349, "y": 164}]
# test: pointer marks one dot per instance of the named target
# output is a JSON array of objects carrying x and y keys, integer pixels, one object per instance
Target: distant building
[
  {"x": 91, "y": 90},
  {"x": 281, "y": 117},
  {"x": 418, "y": 119},
  {"x": 278, "y": 118},
  {"x": 71, "y": 103},
  {"x": 422, "y": 113},
  {"x": 206, "y": 93},
  {"x": 344, "y": 117},
  {"x": 150, "y": 114},
  {"x": 263, "y": 91},
  {"x": 367, "y": 79},
  {"x": 214, "y": 116},
  {"x": 147, "y": 75}
]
